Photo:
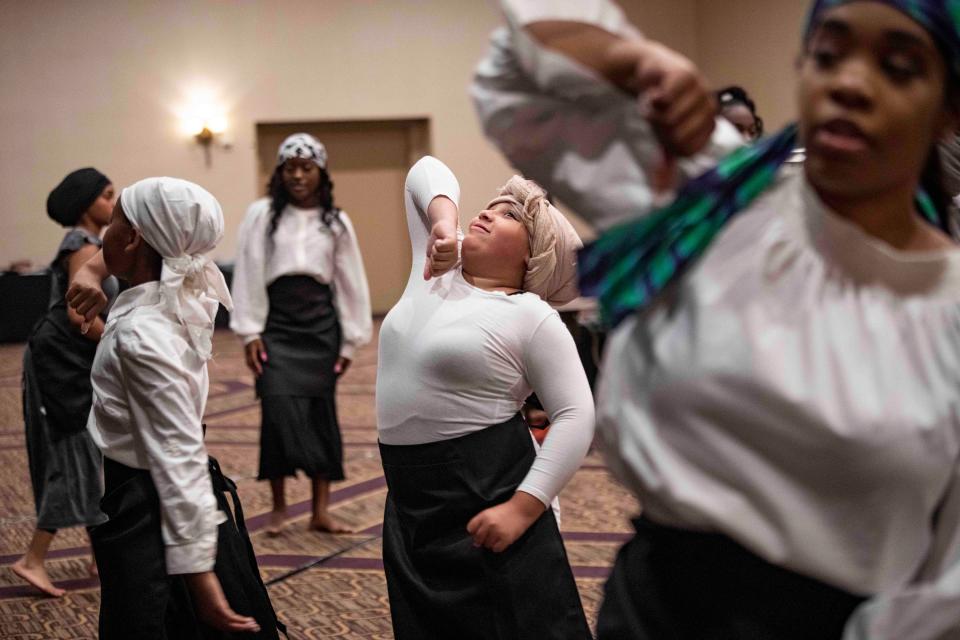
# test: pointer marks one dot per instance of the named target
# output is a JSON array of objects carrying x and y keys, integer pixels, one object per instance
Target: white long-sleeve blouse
[
  {"x": 149, "y": 393},
  {"x": 455, "y": 359},
  {"x": 301, "y": 245},
  {"x": 799, "y": 392}
]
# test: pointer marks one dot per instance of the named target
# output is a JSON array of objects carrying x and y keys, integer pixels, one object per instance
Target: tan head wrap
[{"x": 552, "y": 267}]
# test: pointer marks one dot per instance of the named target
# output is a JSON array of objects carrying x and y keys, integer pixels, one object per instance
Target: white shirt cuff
[
  {"x": 198, "y": 555},
  {"x": 194, "y": 557},
  {"x": 248, "y": 339},
  {"x": 536, "y": 493}
]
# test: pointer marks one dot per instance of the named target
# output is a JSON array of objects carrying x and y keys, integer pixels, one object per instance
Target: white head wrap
[
  {"x": 552, "y": 267},
  {"x": 302, "y": 145},
  {"x": 182, "y": 221}
]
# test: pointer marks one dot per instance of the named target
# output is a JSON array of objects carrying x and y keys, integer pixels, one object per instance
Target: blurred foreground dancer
[
  {"x": 781, "y": 387},
  {"x": 470, "y": 547}
]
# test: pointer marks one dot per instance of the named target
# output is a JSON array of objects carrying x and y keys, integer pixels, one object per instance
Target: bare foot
[
  {"x": 37, "y": 576},
  {"x": 278, "y": 520},
  {"x": 327, "y": 525}
]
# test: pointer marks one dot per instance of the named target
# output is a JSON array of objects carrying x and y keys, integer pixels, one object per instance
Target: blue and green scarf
[{"x": 630, "y": 264}]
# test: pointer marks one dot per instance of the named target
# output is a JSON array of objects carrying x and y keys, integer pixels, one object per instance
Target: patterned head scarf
[
  {"x": 552, "y": 267},
  {"x": 182, "y": 221},
  {"x": 302, "y": 145},
  {"x": 629, "y": 265}
]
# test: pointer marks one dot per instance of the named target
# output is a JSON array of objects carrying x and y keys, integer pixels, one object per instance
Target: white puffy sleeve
[
  {"x": 249, "y": 287},
  {"x": 555, "y": 373},
  {"x": 929, "y": 607},
  {"x": 351, "y": 292},
  {"x": 566, "y": 127}
]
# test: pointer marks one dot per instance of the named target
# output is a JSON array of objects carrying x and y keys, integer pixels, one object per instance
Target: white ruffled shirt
[
  {"x": 149, "y": 394},
  {"x": 798, "y": 392},
  {"x": 300, "y": 247},
  {"x": 455, "y": 359}
]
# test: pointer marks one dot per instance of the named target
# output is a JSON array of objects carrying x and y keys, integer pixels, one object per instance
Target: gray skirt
[
  {"x": 65, "y": 464},
  {"x": 299, "y": 428}
]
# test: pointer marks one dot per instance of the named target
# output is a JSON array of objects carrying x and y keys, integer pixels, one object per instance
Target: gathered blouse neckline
[{"x": 865, "y": 258}]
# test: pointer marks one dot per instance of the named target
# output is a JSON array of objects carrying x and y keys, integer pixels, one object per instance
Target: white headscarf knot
[{"x": 182, "y": 221}]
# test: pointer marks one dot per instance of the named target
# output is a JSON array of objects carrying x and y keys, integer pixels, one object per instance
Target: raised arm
[
  {"x": 432, "y": 195},
  {"x": 94, "y": 329},
  {"x": 85, "y": 295},
  {"x": 557, "y": 93}
]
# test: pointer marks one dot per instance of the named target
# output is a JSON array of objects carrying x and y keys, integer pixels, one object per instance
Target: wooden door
[{"x": 368, "y": 163}]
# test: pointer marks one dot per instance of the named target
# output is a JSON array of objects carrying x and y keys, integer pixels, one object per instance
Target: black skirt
[
  {"x": 57, "y": 395},
  {"x": 440, "y": 585},
  {"x": 299, "y": 428},
  {"x": 137, "y": 597},
  {"x": 672, "y": 584}
]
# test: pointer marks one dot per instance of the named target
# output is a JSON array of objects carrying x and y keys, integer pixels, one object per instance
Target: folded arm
[
  {"x": 432, "y": 197},
  {"x": 557, "y": 93}
]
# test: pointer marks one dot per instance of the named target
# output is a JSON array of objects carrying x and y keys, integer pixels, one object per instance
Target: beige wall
[
  {"x": 100, "y": 82},
  {"x": 753, "y": 43},
  {"x": 673, "y": 22}
]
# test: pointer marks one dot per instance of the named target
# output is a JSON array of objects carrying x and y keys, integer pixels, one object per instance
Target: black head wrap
[{"x": 74, "y": 195}]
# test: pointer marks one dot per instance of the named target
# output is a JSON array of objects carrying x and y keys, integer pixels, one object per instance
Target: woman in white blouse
[
  {"x": 787, "y": 410},
  {"x": 302, "y": 308},
  {"x": 470, "y": 548}
]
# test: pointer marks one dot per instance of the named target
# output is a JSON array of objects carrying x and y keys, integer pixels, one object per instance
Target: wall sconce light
[
  {"x": 203, "y": 120},
  {"x": 208, "y": 132}
]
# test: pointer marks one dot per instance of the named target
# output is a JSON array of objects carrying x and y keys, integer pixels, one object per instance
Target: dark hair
[
  {"x": 932, "y": 181},
  {"x": 737, "y": 95},
  {"x": 279, "y": 199}
]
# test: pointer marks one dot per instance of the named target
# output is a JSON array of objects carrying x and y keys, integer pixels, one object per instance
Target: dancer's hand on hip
[
  {"x": 212, "y": 607},
  {"x": 498, "y": 527},
  {"x": 256, "y": 356}
]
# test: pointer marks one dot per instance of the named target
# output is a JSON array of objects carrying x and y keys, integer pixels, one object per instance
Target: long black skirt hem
[
  {"x": 673, "y": 584},
  {"x": 298, "y": 433},
  {"x": 138, "y": 599},
  {"x": 440, "y": 585}
]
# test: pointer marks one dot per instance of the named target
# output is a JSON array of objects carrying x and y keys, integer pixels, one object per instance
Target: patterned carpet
[{"x": 323, "y": 586}]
